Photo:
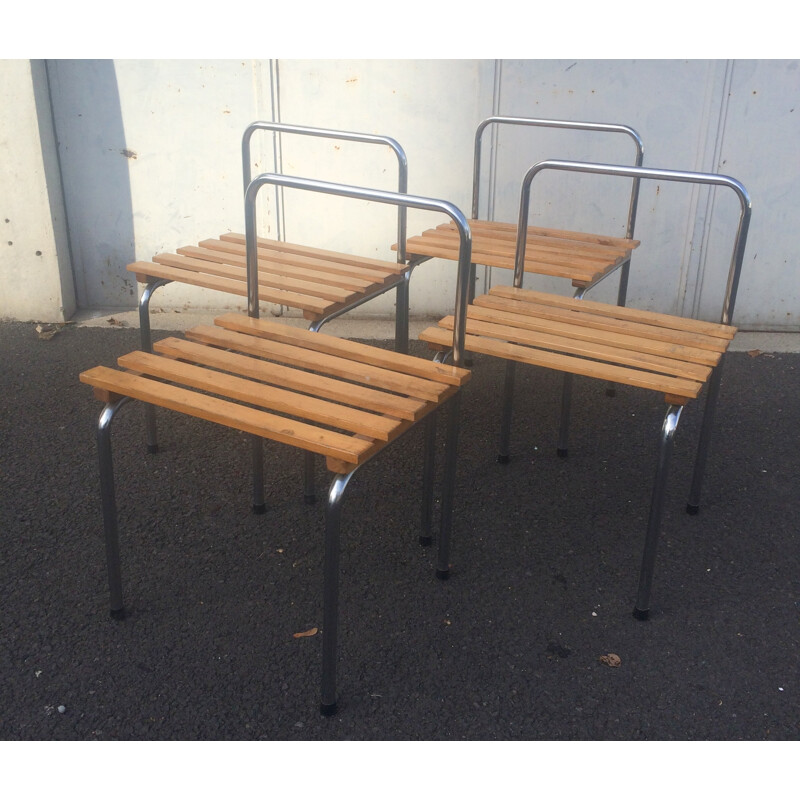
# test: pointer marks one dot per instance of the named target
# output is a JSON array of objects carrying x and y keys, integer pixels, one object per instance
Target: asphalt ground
[{"x": 545, "y": 562}]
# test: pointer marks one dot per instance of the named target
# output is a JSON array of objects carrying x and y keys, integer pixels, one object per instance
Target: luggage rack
[
  {"x": 676, "y": 356},
  {"x": 317, "y": 393},
  {"x": 321, "y": 284}
]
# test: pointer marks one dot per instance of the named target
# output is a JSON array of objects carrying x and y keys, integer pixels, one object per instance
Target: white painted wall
[
  {"x": 150, "y": 159},
  {"x": 34, "y": 255}
]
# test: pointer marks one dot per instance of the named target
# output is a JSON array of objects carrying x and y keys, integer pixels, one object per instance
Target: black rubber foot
[
  {"x": 639, "y": 614},
  {"x": 328, "y": 709},
  {"x": 152, "y": 449},
  {"x": 309, "y": 499},
  {"x": 260, "y": 509},
  {"x": 117, "y": 613},
  {"x": 611, "y": 392},
  {"x": 693, "y": 510},
  {"x": 562, "y": 452},
  {"x": 503, "y": 459},
  {"x": 426, "y": 541},
  {"x": 442, "y": 574}
]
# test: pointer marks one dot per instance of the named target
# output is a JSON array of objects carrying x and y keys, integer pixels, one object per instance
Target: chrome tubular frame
[
  {"x": 673, "y": 415},
  {"x": 340, "y": 482},
  {"x": 622, "y": 292},
  {"x": 401, "y": 323}
]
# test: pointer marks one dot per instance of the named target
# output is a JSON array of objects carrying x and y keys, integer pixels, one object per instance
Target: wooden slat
[
  {"x": 600, "y": 351},
  {"x": 330, "y": 255},
  {"x": 537, "y": 318},
  {"x": 678, "y": 387},
  {"x": 624, "y": 313},
  {"x": 356, "y": 351},
  {"x": 312, "y": 305},
  {"x": 321, "y": 362},
  {"x": 335, "y": 266},
  {"x": 298, "y": 380},
  {"x": 191, "y": 259},
  {"x": 290, "y": 266},
  {"x": 268, "y": 397},
  {"x": 348, "y": 449}
]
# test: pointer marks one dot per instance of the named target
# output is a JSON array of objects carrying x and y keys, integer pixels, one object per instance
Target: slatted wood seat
[
  {"x": 319, "y": 283},
  {"x": 326, "y": 396},
  {"x": 340, "y": 399},
  {"x": 675, "y": 356},
  {"x": 582, "y": 258},
  {"x": 664, "y": 353}
]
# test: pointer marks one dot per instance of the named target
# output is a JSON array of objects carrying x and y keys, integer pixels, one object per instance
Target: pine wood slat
[
  {"x": 356, "y": 351},
  {"x": 350, "y": 450},
  {"x": 295, "y": 379},
  {"x": 329, "y": 255},
  {"x": 536, "y": 317},
  {"x": 658, "y": 321},
  {"x": 336, "y": 266},
  {"x": 501, "y": 241},
  {"x": 191, "y": 259},
  {"x": 311, "y": 305},
  {"x": 253, "y": 392},
  {"x": 600, "y": 351},
  {"x": 332, "y": 366},
  {"x": 680, "y": 389},
  {"x": 510, "y": 229}
]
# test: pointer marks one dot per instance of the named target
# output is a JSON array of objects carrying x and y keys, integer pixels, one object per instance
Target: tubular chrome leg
[
  {"x": 505, "y": 423},
  {"x": 401, "y": 315},
  {"x": 147, "y": 345},
  {"x": 642, "y": 608},
  {"x": 257, "y": 451},
  {"x": 109, "y": 503},
  {"x": 693, "y": 506},
  {"x": 428, "y": 476},
  {"x": 330, "y": 592},
  {"x": 309, "y": 482},
  {"x": 448, "y": 487}
]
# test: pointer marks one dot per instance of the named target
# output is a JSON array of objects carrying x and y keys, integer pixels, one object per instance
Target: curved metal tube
[
  {"x": 376, "y": 196},
  {"x": 109, "y": 505},
  {"x": 330, "y": 592},
  {"x": 600, "y": 127},
  {"x": 653, "y": 174},
  {"x": 668, "y": 429},
  {"x": 327, "y": 133}
]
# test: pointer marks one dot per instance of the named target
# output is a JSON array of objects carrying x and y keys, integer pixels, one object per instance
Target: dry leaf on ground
[
  {"x": 611, "y": 660},
  {"x": 309, "y": 632}
]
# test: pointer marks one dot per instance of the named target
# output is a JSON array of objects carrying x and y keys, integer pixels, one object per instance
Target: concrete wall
[
  {"x": 35, "y": 265},
  {"x": 149, "y": 157}
]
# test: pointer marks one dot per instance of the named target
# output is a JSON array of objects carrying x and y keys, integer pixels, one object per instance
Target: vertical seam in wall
[
  {"x": 490, "y": 200},
  {"x": 277, "y": 154},
  {"x": 68, "y": 231},
  {"x": 695, "y": 257}
]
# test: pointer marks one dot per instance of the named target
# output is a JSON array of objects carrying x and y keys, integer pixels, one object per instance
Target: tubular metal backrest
[
  {"x": 401, "y": 200},
  {"x": 638, "y": 173},
  {"x": 402, "y": 161},
  {"x": 601, "y": 127}
]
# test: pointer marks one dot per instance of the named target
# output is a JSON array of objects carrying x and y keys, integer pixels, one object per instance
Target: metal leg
[
  {"x": 693, "y": 506},
  {"x": 448, "y": 487},
  {"x": 401, "y": 315},
  {"x": 109, "y": 503},
  {"x": 642, "y": 608},
  {"x": 147, "y": 346},
  {"x": 330, "y": 595},
  {"x": 257, "y": 450},
  {"x": 428, "y": 476},
  {"x": 505, "y": 423}
]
